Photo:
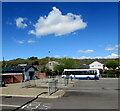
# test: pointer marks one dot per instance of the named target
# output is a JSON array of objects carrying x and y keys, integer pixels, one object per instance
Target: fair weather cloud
[
  {"x": 20, "y": 41},
  {"x": 111, "y": 56},
  {"x": 59, "y": 56},
  {"x": 85, "y": 51},
  {"x": 117, "y": 45},
  {"x": 58, "y": 24},
  {"x": 20, "y": 22},
  {"x": 111, "y": 48},
  {"x": 30, "y": 41}
]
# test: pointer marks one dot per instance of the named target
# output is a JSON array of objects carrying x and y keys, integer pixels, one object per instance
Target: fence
[
  {"x": 110, "y": 75},
  {"x": 65, "y": 81},
  {"x": 52, "y": 86},
  {"x": 49, "y": 83}
]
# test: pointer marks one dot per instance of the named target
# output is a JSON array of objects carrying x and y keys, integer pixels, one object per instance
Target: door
[{"x": 31, "y": 74}]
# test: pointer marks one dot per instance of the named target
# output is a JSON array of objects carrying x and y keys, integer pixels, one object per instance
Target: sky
[{"x": 60, "y": 29}]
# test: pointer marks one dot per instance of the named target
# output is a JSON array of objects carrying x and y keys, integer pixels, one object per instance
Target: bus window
[{"x": 84, "y": 72}]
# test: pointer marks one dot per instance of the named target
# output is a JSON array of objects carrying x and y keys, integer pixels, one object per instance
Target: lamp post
[
  {"x": 49, "y": 62},
  {"x": 23, "y": 68}
]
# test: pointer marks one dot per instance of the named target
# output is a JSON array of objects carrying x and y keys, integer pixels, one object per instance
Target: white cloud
[
  {"x": 58, "y": 24},
  {"x": 110, "y": 48},
  {"x": 86, "y": 51},
  {"x": 20, "y": 23},
  {"x": 31, "y": 41},
  {"x": 82, "y": 57},
  {"x": 59, "y": 56},
  {"x": 20, "y": 41},
  {"x": 23, "y": 41},
  {"x": 111, "y": 56},
  {"x": 117, "y": 45}
]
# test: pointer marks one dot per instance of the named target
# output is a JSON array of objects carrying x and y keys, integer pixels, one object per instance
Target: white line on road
[{"x": 6, "y": 105}]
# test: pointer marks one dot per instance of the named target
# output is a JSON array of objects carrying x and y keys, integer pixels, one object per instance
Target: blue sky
[{"x": 75, "y": 30}]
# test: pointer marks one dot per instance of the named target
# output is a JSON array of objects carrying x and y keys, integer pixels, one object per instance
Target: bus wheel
[{"x": 88, "y": 78}]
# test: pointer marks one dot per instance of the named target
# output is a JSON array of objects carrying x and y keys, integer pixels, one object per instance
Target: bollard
[
  {"x": 64, "y": 81},
  {"x": 71, "y": 78},
  {"x": 48, "y": 88}
]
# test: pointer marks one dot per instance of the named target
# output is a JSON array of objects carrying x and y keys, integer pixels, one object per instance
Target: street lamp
[{"x": 49, "y": 62}]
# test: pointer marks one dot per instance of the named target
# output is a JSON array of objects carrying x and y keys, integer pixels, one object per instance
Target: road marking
[{"x": 6, "y": 105}]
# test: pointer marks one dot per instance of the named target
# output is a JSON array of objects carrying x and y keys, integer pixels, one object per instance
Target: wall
[
  {"x": 96, "y": 65},
  {"x": 12, "y": 78},
  {"x": 18, "y": 78},
  {"x": 41, "y": 75},
  {"x": 26, "y": 76}
]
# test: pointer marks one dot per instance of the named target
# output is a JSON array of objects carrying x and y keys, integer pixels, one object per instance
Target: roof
[
  {"x": 11, "y": 74},
  {"x": 96, "y": 62},
  {"x": 17, "y": 68},
  {"x": 79, "y": 69}
]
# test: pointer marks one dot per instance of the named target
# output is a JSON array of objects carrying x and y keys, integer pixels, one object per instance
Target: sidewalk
[
  {"x": 16, "y": 89},
  {"x": 109, "y": 78}
]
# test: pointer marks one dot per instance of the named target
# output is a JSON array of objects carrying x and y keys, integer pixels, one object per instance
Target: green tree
[
  {"x": 112, "y": 64},
  {"x": 32, "y": 58},
  {"x": 67, "y": 63},
  {"x": 35, "y": 63}
]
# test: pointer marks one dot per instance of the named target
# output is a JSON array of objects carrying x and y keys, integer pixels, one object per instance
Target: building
[
  {"x": 84, "y": 66},
  {"x": 18, "y": 73},
  {"x": 96, "y": 65},
  {"x": 51, "y": 65}
]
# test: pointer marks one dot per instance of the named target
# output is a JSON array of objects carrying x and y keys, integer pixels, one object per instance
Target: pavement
[
  {"x": 86, "y": 94},
  {"x": 16, "y": 90}
]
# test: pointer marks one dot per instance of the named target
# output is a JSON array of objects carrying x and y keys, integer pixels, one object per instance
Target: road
[{"x": 86, "y": 94}]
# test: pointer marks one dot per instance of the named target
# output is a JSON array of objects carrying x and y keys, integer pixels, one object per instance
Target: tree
[
  {"x": 35, "y": 63},
  {"x": 67, "y": 63},
  {"x": 112, "y": 64},
  {"x": 32, "y": 58}
]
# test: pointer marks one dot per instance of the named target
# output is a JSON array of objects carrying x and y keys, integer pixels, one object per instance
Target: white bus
[{"x": 81, "y": 73}]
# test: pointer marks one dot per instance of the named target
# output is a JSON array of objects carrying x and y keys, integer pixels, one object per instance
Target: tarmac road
[{"x": 86, "y": 94}]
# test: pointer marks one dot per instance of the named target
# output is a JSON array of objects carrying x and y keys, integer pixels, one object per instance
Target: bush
[{"x": 111, "y": 72}]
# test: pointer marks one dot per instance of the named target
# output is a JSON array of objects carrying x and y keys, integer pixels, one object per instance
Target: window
[{"x": 50, "y": 64}]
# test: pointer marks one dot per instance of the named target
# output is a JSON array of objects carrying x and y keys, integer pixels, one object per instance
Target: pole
[
  {"x": 23, "y": 82},
  {"x": 49, "y": 62}
]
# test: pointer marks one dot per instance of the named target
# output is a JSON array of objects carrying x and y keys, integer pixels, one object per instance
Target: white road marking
[{"x": 6, "y": 105}]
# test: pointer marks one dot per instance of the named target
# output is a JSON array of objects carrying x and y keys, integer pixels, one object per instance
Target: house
[
  {"x": 19, "y": 73},
  {"x": 51, "y": 65},
  {"x": 96, "y": 65}
]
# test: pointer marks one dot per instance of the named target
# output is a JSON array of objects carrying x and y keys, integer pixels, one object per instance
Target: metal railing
[{"x": 52, "y": 86}]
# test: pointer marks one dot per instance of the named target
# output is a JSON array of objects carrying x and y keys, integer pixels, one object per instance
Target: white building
[
  {"x": 96, "y": 65},
  {"x": 51, "y": 65}
]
